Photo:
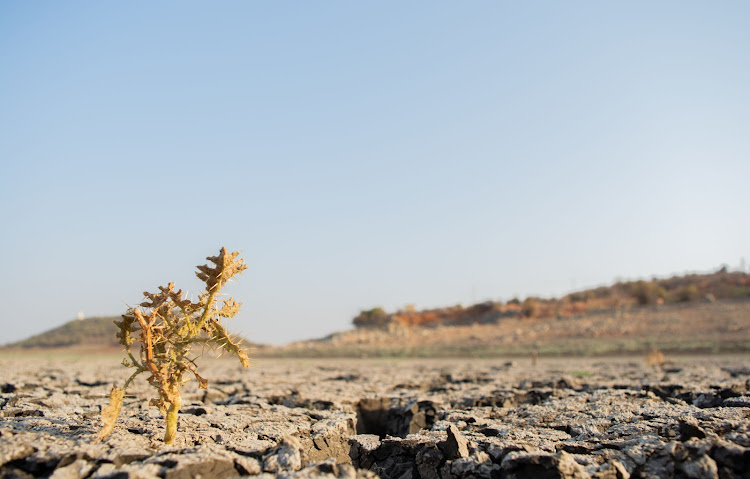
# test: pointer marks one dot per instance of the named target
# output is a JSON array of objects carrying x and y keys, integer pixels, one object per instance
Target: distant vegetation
[
  {"x": 79, "y": 332},
  {"x": 721, "y": 285},
  {"x": 375, "y": 317}
]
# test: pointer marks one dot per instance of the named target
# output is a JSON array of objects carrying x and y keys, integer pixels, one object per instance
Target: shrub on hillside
[
  {"x": 688, "y": 293},
  {"x": 647, "y": 292},
  {"x": 371, "y": 318},
  {"x": 530, "y": 308}
]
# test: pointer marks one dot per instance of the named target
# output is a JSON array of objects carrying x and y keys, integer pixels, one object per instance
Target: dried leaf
[
  {"x": 225, "y": 267},
  {"x": 230, "y": 344},
  {"x": 159, "y": 403},
  {"x": 229, "y": 309},
  {"x": 111, "y": 412},
  {"x": 202, "y": 383}
]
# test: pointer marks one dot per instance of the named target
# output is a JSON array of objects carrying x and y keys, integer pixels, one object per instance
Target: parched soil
[{"x": 449, "y": 418}]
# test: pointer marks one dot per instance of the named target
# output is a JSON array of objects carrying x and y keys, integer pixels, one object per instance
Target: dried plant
[{"x": 167, "y": 326}]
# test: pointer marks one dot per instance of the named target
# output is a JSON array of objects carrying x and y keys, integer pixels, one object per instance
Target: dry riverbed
[{"x": 601, "y": 418}]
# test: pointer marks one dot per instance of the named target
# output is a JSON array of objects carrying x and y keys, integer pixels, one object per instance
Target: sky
[{"x": 364, "y": 154}]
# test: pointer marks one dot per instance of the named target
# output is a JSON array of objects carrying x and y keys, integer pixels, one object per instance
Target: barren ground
[{"x": 604, "y": 418}]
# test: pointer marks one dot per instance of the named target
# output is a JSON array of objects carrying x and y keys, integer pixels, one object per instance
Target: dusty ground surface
[{"x": 602, "y": 418}]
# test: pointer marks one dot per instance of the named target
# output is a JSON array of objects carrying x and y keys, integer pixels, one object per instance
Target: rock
[
  {"x": 22, "y": 413},
  {"x": 7, "y": 388},
  {"x": 129, "y": 471},
  {"x": 286, "y": 456},
  {"x": 396, "y": 457},
  {"x": 248, "y": 465},
  {"x": 205, "y": 467},
  {"x": 701, "y": 468},
  {"x": 195, "y": 411},
  {"x": 362, "y": 447},
  {"x": 479, "y": 465},
  {"x": 78, "y": 469},
  {"x": 741, "y": 401},
  {"x": 731, "y": 458},
  {"x": 689, "y": 429},
  {"x": 708, "y": 400},
  {"x": 542, "y": 465},
  {"x": 329, "y": 469},
  {"x": 429, "y": 460},
  {"x": 330, "y": 439},
  {"x": 213, "y": 395},
  {"x": 455, "y": 446},
  {"x": 11, "y": 449},
  {"x": 612, "y": 470}
]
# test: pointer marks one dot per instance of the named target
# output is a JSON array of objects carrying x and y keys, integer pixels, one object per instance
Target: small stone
[
  {"x": 203, "y": 466},
  {"x": 428, "y": 462},
  {"x": 456, "y": 445},
  {"x": 250, "y": 465},
  {"x": 689, "y": 429},
  {"x": 13, "y": 451},
  {"x": 329, "y": 440},
  {"x": 612, "y": 470},
  {"x": 330, "y": 469},
  {"x": 490, "y": 431},
  {"x": 130, "y": 471},
  {"x": 702, "y": 468},
  {"x": 212, "y": 395},
  {"x": 529, "y": 466},
  {"x": 127, "y": 455},
  {"x": 476, "y": 465},
  {"x": 741, "y": 401},
  {"x": 287, "y": 456},
  {"x": 195, "y": 411},
  {"x": 362, "y": 447},
  {"x": 731, "y": 456},
  {"x": 105, "y": 470},
  {"x": 704, "y": 401},
  {"x": 77, "y": 469}
]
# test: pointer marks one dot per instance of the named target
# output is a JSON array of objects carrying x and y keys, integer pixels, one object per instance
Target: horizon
[
  {"x": 362, "y": 155},
  {"x": 739, "y": 269}
]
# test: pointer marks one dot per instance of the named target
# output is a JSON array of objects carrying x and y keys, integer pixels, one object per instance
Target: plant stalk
[{"x": 174, "y": 408}]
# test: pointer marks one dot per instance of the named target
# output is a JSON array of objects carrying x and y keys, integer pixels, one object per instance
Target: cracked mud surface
[{"x": 601, "y": 418}]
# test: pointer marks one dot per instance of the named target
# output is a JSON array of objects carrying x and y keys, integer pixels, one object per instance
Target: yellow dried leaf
[
  {"x": 202, "y": 383},
  {"x": 229, "y": 309},
  {"x": 111, "y": 412}
]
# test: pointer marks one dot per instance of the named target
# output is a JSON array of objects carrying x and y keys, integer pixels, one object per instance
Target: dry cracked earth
[{"x": 598, "y": 418}]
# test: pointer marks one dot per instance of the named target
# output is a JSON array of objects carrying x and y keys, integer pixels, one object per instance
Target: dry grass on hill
[{"x": 716, "y": 327}]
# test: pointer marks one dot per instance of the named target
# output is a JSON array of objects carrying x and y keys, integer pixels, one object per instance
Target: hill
[
  {"x": 99, "y": 331},
  {"x": 96, "y": 332},
  {"x": 722, "y": 326},
  {"x": 618, "y": 298},
  {"x": 689, "y": 313}
]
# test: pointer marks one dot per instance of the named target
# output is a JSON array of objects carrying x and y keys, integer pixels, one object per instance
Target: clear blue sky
[{"x": 364, "y": 153}]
